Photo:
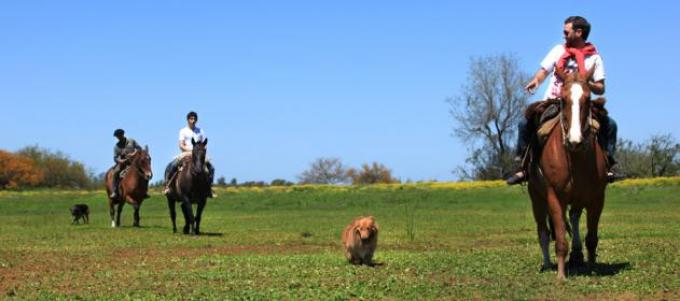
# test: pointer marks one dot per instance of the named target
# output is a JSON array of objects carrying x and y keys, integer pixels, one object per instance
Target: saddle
[
  {"x": 124, "y": 171},
  {"x": 544, "y": 115}
]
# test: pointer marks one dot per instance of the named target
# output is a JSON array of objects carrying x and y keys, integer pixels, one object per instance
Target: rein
[
  {"x": 138, "y": 167},
  {"x": 585, "y": 132}
]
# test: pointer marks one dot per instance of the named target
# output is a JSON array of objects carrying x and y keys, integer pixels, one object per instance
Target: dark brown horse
[
  {"x": 134, "y": 185},
  {"x": 570, "y": 169},
  {"x": 191, "y": 186}
]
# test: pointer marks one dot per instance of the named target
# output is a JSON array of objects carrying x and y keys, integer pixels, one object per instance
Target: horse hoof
[
  {"x": 575, "y": 262},
  {"x": 549, "y": 267}
]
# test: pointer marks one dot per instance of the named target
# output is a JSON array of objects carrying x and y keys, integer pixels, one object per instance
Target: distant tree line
[
  {"x": 221, "y": 181},
  {"x": 659, "y": 156},
  {"x": 333, "y": 171},
  {"x": 33, "y": 166}
]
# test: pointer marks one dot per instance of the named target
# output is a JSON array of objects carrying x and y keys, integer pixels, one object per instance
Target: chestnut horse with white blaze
[
  {"x": 570, "y": 169},
  {"x": 133, "y": 188}
]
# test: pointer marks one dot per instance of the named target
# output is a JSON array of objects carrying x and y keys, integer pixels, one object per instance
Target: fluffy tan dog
[{"x": 360, "y": 239}]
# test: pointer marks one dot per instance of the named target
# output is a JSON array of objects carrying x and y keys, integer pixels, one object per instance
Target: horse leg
[
  {"x": 112, "y": 212},
  {"x": 173, "y": 214},
  {"x": 199, "y": 213},
  {"x": 576, "y": 255},
  {"x": 540, "y": 217},
  {"x": 135, "y": 206},
  {"x": 561, "y": 245},
  {"x": 188, "y": 215},
  {"x": 120, "y": 210},
  {"x": 593, "y": 214},
  {"x": 136, "y": 223}
]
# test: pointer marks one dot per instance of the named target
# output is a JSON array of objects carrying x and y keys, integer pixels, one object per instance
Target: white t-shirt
[
  {"x": 186, "y": 134},
  {"x": 555, "y": 85}
]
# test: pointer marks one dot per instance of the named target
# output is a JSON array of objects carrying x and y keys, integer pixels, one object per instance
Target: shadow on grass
[
  {"x": 210, "y": 234},
  {"x": 147, "y": 227},
  {"x": 598, "y": 269}
]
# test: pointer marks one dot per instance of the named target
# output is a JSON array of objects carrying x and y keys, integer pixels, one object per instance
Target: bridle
[
  {"x": 585, "y": 131},
  {"x": 195, "y": 170}
]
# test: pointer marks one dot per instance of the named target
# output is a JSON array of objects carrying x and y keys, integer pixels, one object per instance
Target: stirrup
[
  {"x": 517, "y": 179},
  {"x": 613, "y": 176}
]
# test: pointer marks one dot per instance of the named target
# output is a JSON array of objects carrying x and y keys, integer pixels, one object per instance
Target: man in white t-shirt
[
  {"x": 186, "y": 134},
  {"x": 576, "y": 55}
]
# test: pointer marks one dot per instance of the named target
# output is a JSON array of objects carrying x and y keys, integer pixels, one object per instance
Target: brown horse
[
  {"x": 190, "y": 186},
  {"x": 570, "y": 169},
  {"x": 133, "y": 188}
]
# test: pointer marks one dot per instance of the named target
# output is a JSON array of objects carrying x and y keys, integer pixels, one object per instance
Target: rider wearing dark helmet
[{"x": 124, "y": 147}]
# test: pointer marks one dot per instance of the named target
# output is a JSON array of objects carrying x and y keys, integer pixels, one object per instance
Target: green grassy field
[{"x": 434, "y": 244}]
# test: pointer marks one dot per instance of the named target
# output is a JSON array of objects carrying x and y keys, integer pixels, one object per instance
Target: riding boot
[
  {"x": 608, "y": 134},
  {"x": 116, "y": 183},
  {"x": 523, "y": 137},
  {"x": 170, "y": 173}
]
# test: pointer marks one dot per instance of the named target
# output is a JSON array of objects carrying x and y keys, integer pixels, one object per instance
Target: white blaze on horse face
[{"x": 575, "y": 126}]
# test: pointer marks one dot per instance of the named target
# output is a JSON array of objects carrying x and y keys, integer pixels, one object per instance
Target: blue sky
[{"x": 277, "y": 84}]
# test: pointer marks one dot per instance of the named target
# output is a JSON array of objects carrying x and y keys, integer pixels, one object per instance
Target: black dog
[{"x": 80, "y": 211}]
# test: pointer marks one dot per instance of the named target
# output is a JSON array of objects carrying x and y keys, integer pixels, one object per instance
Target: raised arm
[{"x": 539, "y": 77}]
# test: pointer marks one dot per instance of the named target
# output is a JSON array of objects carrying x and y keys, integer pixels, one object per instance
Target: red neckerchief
[{"x": 578, "y": 54}]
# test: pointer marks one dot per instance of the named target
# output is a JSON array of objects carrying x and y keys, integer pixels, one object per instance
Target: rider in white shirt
[
  {"x": 186, "y": 134},
  {"x": 576, "y": 30}
]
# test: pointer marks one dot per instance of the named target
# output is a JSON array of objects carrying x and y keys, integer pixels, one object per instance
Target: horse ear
[
  {"x": 205, "y": 141},
  {"x": 193, "y": 142},
  {"x": 146, "y": 148}
]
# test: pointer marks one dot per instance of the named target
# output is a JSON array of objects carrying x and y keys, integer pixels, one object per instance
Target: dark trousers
[{"x": 116, "y": 177}]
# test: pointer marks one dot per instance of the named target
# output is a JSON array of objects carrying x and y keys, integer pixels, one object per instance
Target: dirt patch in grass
[{"x": 24, "y": 270}]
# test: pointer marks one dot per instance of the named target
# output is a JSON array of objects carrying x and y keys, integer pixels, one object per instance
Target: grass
[{"x": 436, "y": 243}]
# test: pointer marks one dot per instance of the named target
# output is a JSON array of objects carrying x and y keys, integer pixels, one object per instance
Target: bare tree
[
  {"x": 324, "y": 171},
  {"x": 487, "y": 111}
]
